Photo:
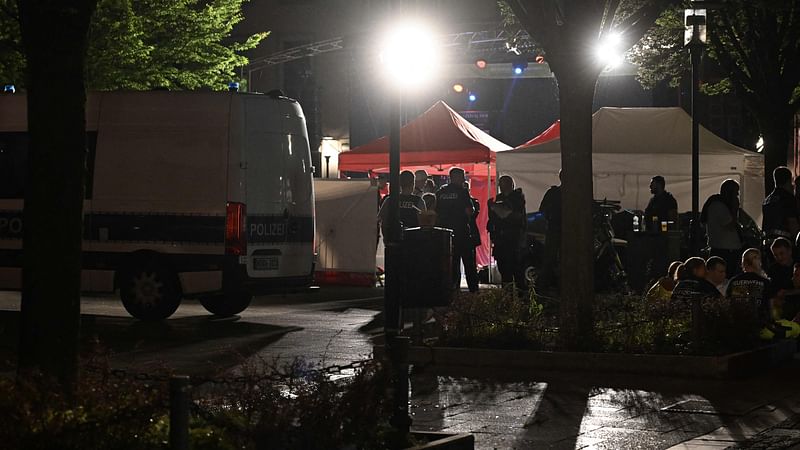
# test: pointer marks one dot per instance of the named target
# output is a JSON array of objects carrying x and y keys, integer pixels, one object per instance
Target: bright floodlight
[
  {"x": 609, "y": 51},
  {"x": 409, "y": 55}
]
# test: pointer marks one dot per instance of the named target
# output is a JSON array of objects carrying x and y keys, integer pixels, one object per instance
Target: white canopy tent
[
  {"x": 346, "y": 231},
  {"x": 630, "y": 146}
]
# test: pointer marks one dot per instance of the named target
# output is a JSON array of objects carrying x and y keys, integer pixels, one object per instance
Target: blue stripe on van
[
  {"x": 154, "y": 228},
  {"x": 174, "y": 228},
  {"x": 133, "y": 227}
]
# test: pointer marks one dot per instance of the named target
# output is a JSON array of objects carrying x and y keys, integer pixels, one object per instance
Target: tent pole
[{"x": 488, "y": 196}]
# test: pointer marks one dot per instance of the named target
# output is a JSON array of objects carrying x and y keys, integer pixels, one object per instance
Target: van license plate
[{"x": 265, "y": 263}]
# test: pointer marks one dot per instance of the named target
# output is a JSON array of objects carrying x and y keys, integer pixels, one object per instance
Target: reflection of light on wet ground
[
  {"x": 466, "y": 405},
  {"x": 560, "y": 414}
]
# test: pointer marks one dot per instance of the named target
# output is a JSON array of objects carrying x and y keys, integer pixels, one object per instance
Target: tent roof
[
  {"x": 552, "y": 132},
  {"x": 644, "y": 131},
  {"x": 439, "y": 136}
]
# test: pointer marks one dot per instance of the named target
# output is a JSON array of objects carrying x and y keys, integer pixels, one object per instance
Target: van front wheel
[
  {"x": 149, "y": 290},
  {"x": 227, "y": 304}
]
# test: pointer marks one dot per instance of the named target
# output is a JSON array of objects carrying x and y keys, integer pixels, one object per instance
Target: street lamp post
[
  {"x": 408, "y": 57},
  {"x": 328, "y": 148},
  {"x": 695, "y": 40}
]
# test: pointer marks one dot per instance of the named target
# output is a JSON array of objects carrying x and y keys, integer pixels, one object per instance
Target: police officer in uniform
[
  {"x": 454, "y": 210},
  {"x": 410, "y": 205},
  {"x": 780, "y": 208},
  {"x": 506, "y": 227}
]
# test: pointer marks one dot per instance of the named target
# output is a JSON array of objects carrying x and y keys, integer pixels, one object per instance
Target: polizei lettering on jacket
[
  {"x": 408, "y": 204},
  {"x": 448, "y": 196}
]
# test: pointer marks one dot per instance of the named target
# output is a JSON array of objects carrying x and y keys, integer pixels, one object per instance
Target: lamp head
[{"x": 409, "y": 54}]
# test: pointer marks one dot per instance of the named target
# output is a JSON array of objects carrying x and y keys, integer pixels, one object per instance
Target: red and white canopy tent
[
  {"x": 552, "y": 132},
  {"x": 436, "y": 141}
]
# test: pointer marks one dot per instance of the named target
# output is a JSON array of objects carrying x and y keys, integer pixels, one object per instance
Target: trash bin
[{"x": 427, "y": 266}]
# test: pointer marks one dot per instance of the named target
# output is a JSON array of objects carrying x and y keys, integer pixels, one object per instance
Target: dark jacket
[
  {"x": 452, "y": 203},
  {"x": 508, "y": 230}
]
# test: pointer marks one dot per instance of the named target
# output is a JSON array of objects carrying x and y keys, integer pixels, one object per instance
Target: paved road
[
  {"x": 322, "y": 326},
  {"x": 504, "y": 409}
]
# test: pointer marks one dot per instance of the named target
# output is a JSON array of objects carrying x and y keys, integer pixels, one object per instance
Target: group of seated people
[{"x": 774, "y": 294}]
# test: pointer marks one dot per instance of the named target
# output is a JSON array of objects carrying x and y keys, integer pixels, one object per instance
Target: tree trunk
[
  {"x": 54, "y": 38},
  {"x": 576, "y": 87},
  {"x": 776, "y": 129}
]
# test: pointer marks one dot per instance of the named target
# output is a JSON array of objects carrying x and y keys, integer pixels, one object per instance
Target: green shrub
[
  {"x": 296, "y": 407},
  {"x": 499, "y": 318},
  {"x": 631, "y": 324},
  {"x": 494, "y": 318}
]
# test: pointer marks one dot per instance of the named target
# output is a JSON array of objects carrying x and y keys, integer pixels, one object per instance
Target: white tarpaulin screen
[
  {"x": 631, "y": 145},
  {"x": 346, "y": 232}
]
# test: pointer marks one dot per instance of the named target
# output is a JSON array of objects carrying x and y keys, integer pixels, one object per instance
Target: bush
[
  {"x": 305, "y": 410},
  {"x": 296, "y": 407},
  {"x": 494, "y": 318},
  {"x": 499, "y": 318},
  {"x": 631, "y": 324},
  {"x": 105, "y": 413}
]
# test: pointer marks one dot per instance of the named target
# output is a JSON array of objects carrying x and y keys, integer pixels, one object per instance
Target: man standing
[
  {"x": 506, "y": 226},
  {"x": 780, "y": 208},
  {"x": 410, "y": 205},
  {"x": 662, "y": 206},
  {"x": 420, "y": 177},
  {"x": 721, "y": 217},
  {"x": 551, "y": 208},
  {"x": 454, "y": 211}
]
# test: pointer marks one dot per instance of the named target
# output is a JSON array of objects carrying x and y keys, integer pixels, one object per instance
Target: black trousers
[
  {"x": 510, "y": 265},
  {"x": 549, "y": 273},
  {"x": 464, "y": 251}
]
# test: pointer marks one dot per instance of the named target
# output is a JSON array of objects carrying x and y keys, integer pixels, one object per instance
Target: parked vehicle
[{"x": 205, "y": 195}]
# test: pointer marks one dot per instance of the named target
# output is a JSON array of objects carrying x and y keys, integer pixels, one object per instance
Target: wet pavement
[
  {"x": 505, "y": 410},
  {"x": 567, "y": 411}
]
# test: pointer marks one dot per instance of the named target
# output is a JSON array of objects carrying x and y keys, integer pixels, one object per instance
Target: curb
[{"x": 725, "y": 366}]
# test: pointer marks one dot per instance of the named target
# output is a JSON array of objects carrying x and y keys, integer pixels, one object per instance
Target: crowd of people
[
  {"x": 769, "y": 282},
  {"x": 451, "y": 206}
]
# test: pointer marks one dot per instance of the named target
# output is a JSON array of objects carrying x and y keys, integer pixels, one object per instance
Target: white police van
[{"x": 205, "y": 195}]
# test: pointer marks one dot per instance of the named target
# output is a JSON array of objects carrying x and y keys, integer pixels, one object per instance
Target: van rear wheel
[
  {"x": 227, "y": 304},
  {"x": 149, "y": 290}
]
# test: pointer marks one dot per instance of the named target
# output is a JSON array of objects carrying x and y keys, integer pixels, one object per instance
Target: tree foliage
[
  {"x": 12, "y": 61},
  {"x": 145, "y": 44},
  {"x": 755, "y": 45}
]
